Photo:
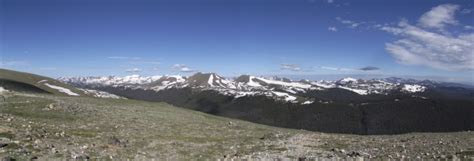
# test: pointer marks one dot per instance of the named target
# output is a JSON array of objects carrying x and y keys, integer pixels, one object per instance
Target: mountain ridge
[
  {"x": 374, "y": 106},
  {"x": 247, "y": 85}
]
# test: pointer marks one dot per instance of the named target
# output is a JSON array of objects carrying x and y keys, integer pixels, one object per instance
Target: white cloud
[
  {"x": 332, "y": 28},
  {"x": 350, "y": 23},
  {"x": 338, "y": 69},
  {"x": 182, "y": 68},
  {"x": 440, "y": 50},
  {"x": 363, "y": 69},
  {"x": 330, "y": 1},
  {"x": 466, "y": 11},
  {"x": 469, "y": 27},
  {"x": 291, "y": 67},
  {"x": 344, "y": 21},
  {"x": 439, "y": 16},
  {"x": 133, "y": 70}
]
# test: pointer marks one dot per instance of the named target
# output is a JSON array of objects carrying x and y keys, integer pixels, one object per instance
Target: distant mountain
[
  {"x": 281, "y": 89},
  {"x": 373, "y": 106}
]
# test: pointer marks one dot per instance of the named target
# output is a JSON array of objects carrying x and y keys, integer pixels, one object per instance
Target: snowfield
[
  {"x": 62, "y": 89},
  {"x": 413, "y": 88},
  {"x": 287, "y": 97},
  {"x": 253, "y": 83},
  {"x": 211, "y": 80},
  {"x": 358, "y": 91},
  {"x": 287, "y": 84}
]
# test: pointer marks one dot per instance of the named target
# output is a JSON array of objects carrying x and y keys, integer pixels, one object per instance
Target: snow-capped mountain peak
[
  {"x": 247, "y": 85},
  {"x": 209, "y": 80},
  {"x": 347, "y": 80}
]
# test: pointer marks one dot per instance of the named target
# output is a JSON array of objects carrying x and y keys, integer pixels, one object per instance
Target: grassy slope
[
  {"x": 33, "y": 79},
  {"x": 109, "y": 128},
  {"x": 154, "y": 129}
]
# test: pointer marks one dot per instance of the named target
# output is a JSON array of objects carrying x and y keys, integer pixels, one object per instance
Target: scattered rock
[
  {"x": 354, "y": 154},
  {"x": 2, "y": 145},
  {"x": 117, "y": 142},
  {"x": 8, "y": 158},
  {"x": 342, "y": 151}
]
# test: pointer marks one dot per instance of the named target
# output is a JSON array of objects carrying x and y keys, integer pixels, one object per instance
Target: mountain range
[
  {"x": 280, "y": 89},
  {"x": 43, "y": 118},
  {"x": 349, "y": 105},
  {"x": 359, "y": 106}
]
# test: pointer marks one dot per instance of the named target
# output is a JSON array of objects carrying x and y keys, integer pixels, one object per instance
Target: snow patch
[
  {"x": 286, "y": 96},
  {"x": 3, "y": 90},
  {"x": 42, "y": 81},
  {"x": 252, "y": 83},
  {"x": 413, "y": 88},
  {"x": 211, "y": 80},
  {"x": 323, "y": 84},
  {"x": 288, "y": 84},
  {"x": 358, "y": 91},
  {"x": 307, "y": 102},
  {"x": 62, "y": 89}
]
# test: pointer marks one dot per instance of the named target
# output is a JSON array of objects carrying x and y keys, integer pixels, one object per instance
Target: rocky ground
[{"x": 45, "y": 127}]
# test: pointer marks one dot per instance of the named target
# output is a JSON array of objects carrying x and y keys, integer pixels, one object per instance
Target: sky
[{"x": 422, "y": 39}]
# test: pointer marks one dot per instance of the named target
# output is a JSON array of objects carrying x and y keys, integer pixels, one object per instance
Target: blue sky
[{"x": 232, "y": 37}]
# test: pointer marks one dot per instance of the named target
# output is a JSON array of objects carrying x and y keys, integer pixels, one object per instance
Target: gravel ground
[{"x": 45, "y": 127}]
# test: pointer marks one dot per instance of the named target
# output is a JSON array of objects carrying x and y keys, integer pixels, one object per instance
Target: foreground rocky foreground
[{"x": 46, "y": 126}]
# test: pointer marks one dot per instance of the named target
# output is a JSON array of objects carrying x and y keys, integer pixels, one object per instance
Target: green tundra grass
[{"x": 47, "y": 126}]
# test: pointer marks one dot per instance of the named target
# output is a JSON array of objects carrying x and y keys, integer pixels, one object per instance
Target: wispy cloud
[
  {"x": 13, "y": 63},
  {"x": 182, "y": 68},
  {"x": 439, "y": 16},
  {"x": 332, "y": 28},
  {"x": 133, "y": 70},
  {"x": 440, "y": 49},
  {"x": 466, "y": 11},
  {"x": 330, "y": 1},
  {"x": 363, "y": 69},
  {"x": 369, "y": 68},
  {"x": 469, "y": 27},
  {"x": 123, "y": 58},
  {"x": 350, "y": 23},
  {"x": 337, "y": 68},
  {"x": 291, "y": 67}
]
